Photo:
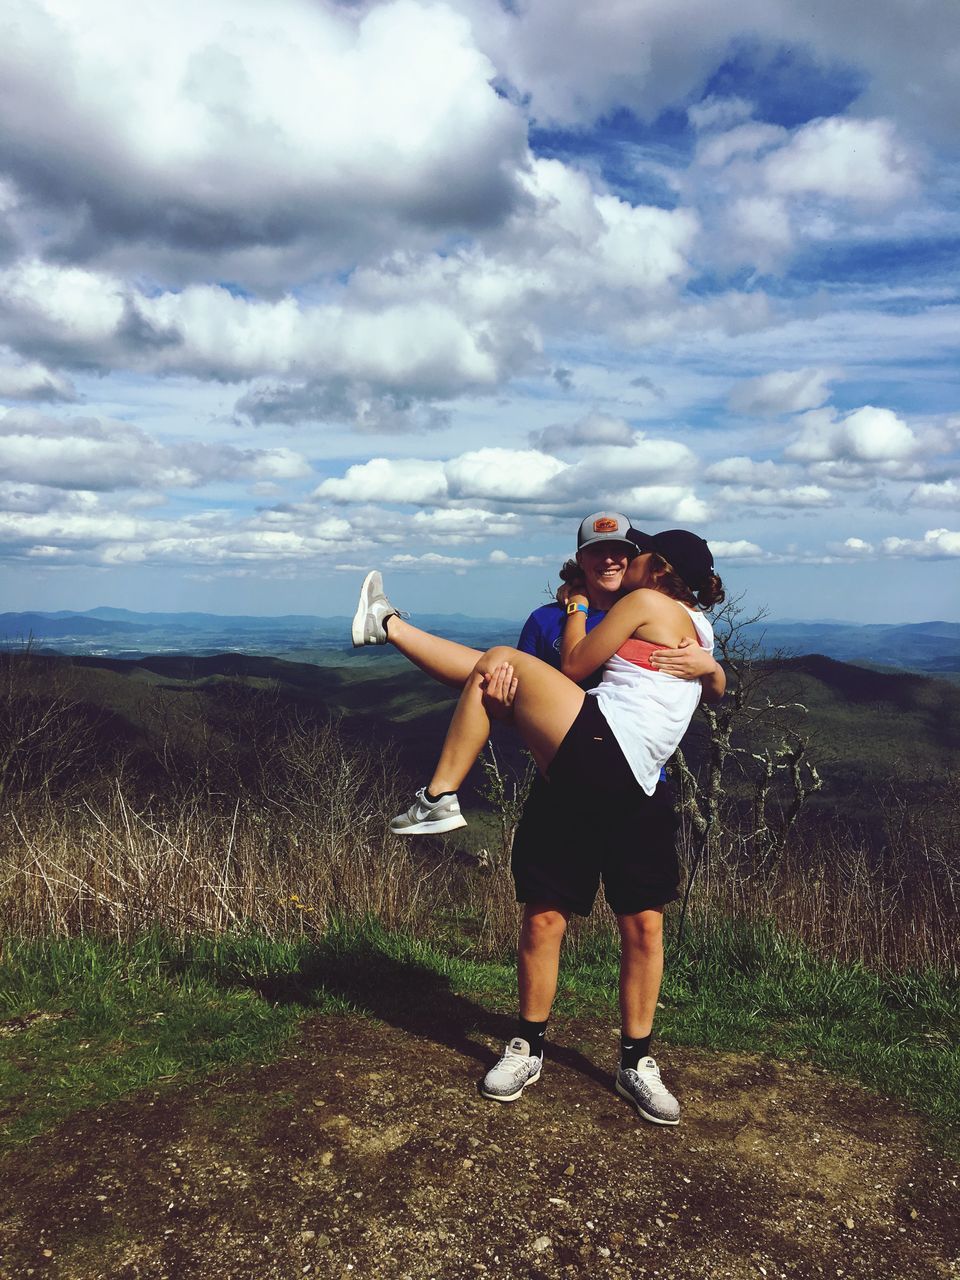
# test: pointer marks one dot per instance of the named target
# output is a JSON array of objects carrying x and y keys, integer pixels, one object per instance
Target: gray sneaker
[
  {"x": 372, "y": 611},
  {"x": 429, "y": 817},
  {"x": 648, "y": 1093},
  {"x": 505, "y": 1081}
]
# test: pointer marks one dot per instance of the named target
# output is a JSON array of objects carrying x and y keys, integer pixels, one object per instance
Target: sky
[{"x": 289, "y": 291}]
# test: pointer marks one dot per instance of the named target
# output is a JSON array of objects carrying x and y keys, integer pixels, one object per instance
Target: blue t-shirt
[{"x": 541, "y": 637}]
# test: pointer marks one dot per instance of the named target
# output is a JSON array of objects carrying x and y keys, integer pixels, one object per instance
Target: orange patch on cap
[{"x": 605, "y": 525}]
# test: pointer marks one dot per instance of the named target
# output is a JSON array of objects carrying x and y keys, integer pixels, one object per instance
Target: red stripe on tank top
[{"x": 638, "y": 652}]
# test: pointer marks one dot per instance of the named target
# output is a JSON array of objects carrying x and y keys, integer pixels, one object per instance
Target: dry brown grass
[
  {"x": 890, "y": 903},
  {"x": 312, "y": 846}
]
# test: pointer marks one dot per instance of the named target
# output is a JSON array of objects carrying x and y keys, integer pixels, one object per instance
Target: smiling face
[{"x": 603, "y": 565}]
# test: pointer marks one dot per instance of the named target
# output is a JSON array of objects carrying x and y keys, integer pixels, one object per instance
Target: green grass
[{"x": 116, "y": 1018}]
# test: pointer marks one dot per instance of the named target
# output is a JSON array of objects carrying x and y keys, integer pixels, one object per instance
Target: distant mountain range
[
  {"x": 932, "y": 647},
  {"x": 865, "y": 727},
  {"x": 929, "y": 647}
]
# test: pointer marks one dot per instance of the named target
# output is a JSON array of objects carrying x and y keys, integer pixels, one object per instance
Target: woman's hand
[
  {"x": 689, "y": 661},
  {"x": 498, "y": 691},
  {"x": 574, "y": 591}
]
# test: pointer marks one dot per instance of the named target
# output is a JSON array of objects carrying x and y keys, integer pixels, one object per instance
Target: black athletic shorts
[{"x": 590, "y": 821}]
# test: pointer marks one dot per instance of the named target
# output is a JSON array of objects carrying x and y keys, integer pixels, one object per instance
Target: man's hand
[
  {"x": 689, "y": 661},
  {"x": 499, "y": 689}
]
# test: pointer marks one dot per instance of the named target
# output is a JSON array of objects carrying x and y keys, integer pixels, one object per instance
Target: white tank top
[{"x": 648, "y": 710}]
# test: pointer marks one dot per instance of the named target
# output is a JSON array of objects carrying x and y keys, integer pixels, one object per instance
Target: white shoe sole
[
  {"x": 509, "y": 1097},
  {"x": 357, "y": 631},
  {"x": 624, "y": 1093},
  {"x": 453, "y": 823}
]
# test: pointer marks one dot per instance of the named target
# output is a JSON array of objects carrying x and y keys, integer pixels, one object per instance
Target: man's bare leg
[
  {"x": 641, "y": 971},
  {"x": 538, "y": 965},
  {"x": 538, "y": 959}
]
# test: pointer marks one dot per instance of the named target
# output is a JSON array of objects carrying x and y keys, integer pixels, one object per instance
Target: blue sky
[{"x": 290, "y": 291}]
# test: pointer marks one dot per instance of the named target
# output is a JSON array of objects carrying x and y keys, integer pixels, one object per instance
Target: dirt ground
[{"x": 366, "y": 1151}]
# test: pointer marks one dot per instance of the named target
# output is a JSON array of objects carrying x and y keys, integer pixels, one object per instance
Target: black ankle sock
[
  {"x": 632, "y": 1049},
  {"x": 533, "y": 1033},
  {"x": 439, "y": 796}
]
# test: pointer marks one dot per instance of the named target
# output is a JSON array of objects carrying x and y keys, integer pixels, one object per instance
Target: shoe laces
[
  {"x": 516, "y": 1063},
  {"x": 649, "y": 1073}
]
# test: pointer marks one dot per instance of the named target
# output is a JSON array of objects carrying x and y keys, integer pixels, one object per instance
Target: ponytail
[
  {"x": 672, "y": 585},
  {"x": 711, "y": 593}
]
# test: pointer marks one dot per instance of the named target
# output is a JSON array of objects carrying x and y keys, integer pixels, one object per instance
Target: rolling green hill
[{"x": 866, "y": 727}]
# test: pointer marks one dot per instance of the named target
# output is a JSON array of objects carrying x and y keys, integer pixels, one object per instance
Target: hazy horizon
[{"x": 480, "y": 617}]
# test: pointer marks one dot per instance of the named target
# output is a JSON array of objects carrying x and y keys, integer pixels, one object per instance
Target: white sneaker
[
  {"x": 505, "y": 1081},
  {"x": 648, "y": 1093},
  {"x": 372, "y": 612},
  {"x": 429, "y": 817}
]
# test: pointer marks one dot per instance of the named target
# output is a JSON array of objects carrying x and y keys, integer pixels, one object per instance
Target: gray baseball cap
[{"x": 605, "y": 526}]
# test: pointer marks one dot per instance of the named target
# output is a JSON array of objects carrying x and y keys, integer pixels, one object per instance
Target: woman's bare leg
[
  {"x": 444, "y": 660},
  {"x": 545, "y": 707}
]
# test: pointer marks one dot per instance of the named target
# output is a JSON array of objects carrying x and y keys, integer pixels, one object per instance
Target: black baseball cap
[{"x": 685, "y": 551}]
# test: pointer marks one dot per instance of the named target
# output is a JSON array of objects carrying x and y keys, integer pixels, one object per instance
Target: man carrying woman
[{"x": 601, "y": 756}]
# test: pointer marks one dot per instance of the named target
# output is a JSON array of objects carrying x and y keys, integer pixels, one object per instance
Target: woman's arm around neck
[{"x": 645, "y": 614}]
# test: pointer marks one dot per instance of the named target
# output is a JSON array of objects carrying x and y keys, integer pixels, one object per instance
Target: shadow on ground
[{"x": 411, "y": 997}]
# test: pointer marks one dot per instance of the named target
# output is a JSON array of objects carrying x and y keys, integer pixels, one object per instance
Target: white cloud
[
  {"x": 28, "y": 380},
  {"x": 719, "y": 112},
  {"x": 867, "y": 435},
  {"x": 498, "y": 557},
  {"x": 743, "y": 470},
  {"x": 851, "y": 548},
  {"x": 754, "y": 230},
  {"x": 635, "y": 479},
  {"x": 859, "y": 160},
  {"x": 651, "y": 504},
  {"x": 463, "y": 524},
  {"x": 67, "y": 529},
  {"x": 68, "y": 309},
  {"x": 356, "y": 403},
  {"x": 102, "y": 455},
  {"x": 578, "y": 63},
  {"x": 946, "y": 493},
  {"x": 503, "y": 475},
  {"x": 784, "y": 391},
  {"x": 746, "y": 139},
  {"x": 424, "y": 324},
  {"x": 936, "y": 544},
  {"x": 431, "y": 560},
  {"x": 37, "y": 499},
  {"x": 797, "y": 496},
  {"x": 388, "y": 480},
  {"x": 145, "y": 125},
  {"x": 647, "y": 458},
  {"x": 740, "y": 549},
  {"x": 594, "y": 429}
]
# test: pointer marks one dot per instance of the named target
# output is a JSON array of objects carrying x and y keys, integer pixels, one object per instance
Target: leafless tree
[{"x": 755, "y": 748}]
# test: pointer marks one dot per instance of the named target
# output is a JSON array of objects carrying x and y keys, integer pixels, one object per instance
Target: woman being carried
[{"x": 609, "y": 742}]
